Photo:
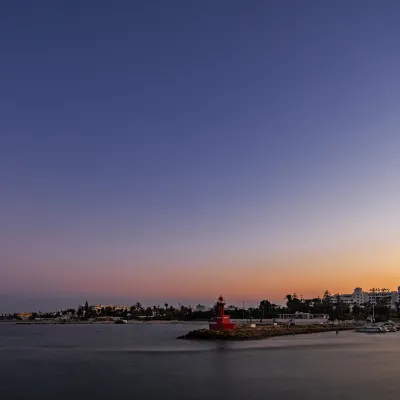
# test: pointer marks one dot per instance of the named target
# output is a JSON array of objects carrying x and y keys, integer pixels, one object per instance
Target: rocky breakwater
[{"x": 246, "y": 332}]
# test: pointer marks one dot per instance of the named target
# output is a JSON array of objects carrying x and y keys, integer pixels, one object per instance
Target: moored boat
[
  {"x": 390, "y": 326},
  {"x": 370, "y": 328}
]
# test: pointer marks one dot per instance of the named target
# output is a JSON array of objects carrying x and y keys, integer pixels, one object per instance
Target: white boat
[
  {"x": 384, "y": 328},
  {"x": 390, "y": 326},
  {"x": 371, "y": 329}
]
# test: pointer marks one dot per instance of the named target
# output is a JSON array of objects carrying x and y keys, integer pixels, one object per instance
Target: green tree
[
  {"x": 139, "y": 309},
  {"x": 109, "y": 312},
  {"x": 327, "y": 302},
  {"x": 79, "y": 312},
  {"x": 133, "y": 310},
  {"x": 316, "y": 306},
  {"x": 86, "y": 310},
  {"x": 383, "y": 305},
  {"x": 387, "y": 300},
  {"x": 265, "y": 307},
  {"x": 356, "y": 310},
  {"x": 339, "y": 307},
  {"x": 33, "y": 316},
  {"x": 293, "y": 303}
]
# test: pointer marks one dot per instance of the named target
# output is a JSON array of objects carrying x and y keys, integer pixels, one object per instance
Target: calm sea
[{"x": 145, "y": 361}]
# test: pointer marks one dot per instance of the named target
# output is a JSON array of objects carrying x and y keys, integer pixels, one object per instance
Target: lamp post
[
  {"x": 387, "y": 300},
  {"x": 373, "y": 290}
]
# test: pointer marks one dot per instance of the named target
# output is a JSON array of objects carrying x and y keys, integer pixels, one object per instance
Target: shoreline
[{"x": 131, "y": 322}]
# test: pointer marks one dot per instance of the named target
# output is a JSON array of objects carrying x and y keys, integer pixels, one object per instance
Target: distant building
[
  {"x": 112, "y": 307},
  {"x": 201, "y": 308},
  {"x": 360, "y": 297},
  {"x": 347, "y": 299},
  {"x": 306, "y": 316},
  {"x": 24, "y": 315}
]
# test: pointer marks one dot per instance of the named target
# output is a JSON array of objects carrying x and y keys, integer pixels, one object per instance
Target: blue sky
[{"x": 148, "y": 142}]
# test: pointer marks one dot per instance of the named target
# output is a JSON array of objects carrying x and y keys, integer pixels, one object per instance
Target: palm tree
[
  {"x": 289, "y": 298},
  {"x": 265, "y": 305},
  {"x": 327, "y": 296},
  {"x": 356, "y": 310},
  {"x": 374, "y": 302},
  {"x": 327, "y": 301},
  {"x": 339, "y": 305},
  {"x": 387, "y": 300}
]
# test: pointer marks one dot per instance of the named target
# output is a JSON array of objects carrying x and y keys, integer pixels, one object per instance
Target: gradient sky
[{"x": 179, "y": 149}]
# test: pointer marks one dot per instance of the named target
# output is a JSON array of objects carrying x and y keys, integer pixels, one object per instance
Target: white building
[
  {"x": 375, "y": 296},
  {"x": 113, "y": 307},
  {"x": 344, "y": 298},
  {"x": 201, "y": 308}
]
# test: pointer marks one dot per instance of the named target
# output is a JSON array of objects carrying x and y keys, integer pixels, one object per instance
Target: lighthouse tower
[{"x": 221, "y": 321}]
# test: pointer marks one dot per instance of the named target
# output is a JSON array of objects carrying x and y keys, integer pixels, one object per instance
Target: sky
[{"x": 178, "y": 150}]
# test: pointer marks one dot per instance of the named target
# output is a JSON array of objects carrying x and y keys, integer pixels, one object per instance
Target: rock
[{"x": 261, "y": 332}]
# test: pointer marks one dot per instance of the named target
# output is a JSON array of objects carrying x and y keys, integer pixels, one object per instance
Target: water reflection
[
  {"x": 222, "y": 345},
  {"x": 157, "y": 365}
]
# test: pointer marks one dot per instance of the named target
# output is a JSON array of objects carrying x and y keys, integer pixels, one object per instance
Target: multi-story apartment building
[
  {"x": 119, "y": 307},
  {"x": 373, "y": 296}
]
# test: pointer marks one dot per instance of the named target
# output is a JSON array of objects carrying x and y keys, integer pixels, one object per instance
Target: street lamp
[{"x": 373, "y": 290}]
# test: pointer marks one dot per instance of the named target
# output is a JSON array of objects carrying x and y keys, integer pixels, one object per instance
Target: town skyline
[{"x": 13, "y": 305}]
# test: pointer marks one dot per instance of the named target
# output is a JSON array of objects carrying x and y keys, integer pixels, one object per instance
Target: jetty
[{"x": 254, "y": 332}]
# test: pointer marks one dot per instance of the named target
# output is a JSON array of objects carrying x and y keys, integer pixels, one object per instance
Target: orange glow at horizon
[
  {"x": 239, "y": 277},
  {"x": 247, "y": 278}
]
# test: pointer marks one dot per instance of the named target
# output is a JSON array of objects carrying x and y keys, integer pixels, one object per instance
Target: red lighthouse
[{"x": 221, "y": 321}]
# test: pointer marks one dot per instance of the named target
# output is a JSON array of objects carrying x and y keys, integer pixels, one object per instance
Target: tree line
[
  {"x": 328, "y": 304},
  {"x": 336, "y": 308}
]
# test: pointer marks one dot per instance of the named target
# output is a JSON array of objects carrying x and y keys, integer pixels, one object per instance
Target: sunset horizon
[{"x": 187, "y": 151}]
